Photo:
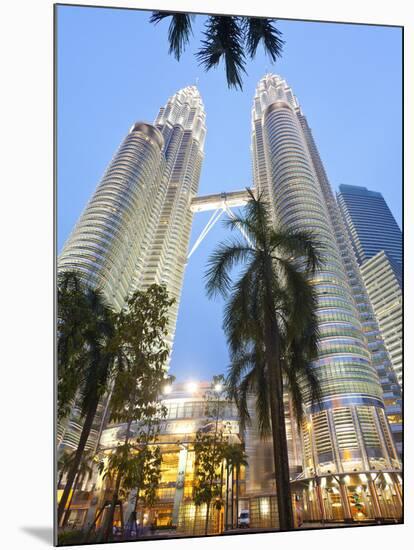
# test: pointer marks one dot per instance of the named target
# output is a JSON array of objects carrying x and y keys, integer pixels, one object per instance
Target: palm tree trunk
[
  {"x": 232, "y": 496},
  {"x": 90, "y": 415},
  {"x": 280, "y": 452},
  {"x": 277, "y": 412},
  {"x": 221, "y": 494},
  {"x": 207, "y": 514},
  {"x": 67, "y": 512},
  {"x": 237, "y": 494},
  {"x": 115, "y": 496},
  {"x": 226, "y": 518},
  {"x": 62, "y": 473}
]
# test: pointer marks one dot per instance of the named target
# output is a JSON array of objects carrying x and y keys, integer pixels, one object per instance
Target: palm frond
[
  {"x": 258, "y": 29},
  {"x": 179, "y": 31},
  {"x": 240, "y": 320},
  {"x": 223, "y": 38},
  {"x": 221, "y": 262},
  {"x": 258, "y": 214},
  {"x": 300, "y": 244}
]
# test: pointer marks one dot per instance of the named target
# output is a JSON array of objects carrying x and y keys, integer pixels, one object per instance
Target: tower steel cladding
[
  {"x": 348, "y": 436},
  {"x": 135, "y": 230},
  {"x": 108, "y": 244},
  {"x": 182, "y": 125}
]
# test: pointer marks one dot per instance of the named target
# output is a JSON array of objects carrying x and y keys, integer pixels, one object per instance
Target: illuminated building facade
[
  {"x": 370, "y": 223},
  {"x": 135, "y": 230},
  {"x": 349, "y": 440},
  {"x": 383, "y": 280},
  {"x": 377, "y": 241},
  {"x": 186, "y": 413}
]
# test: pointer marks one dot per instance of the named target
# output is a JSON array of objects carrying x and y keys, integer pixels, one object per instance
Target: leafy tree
[
  {"x": 136, "y": 466},
  {"x": 148, "y": 474},
  {"x": 231, "y": 39},
  {"x": 142, "y": 328},
  {"x": 216, "y": 399},
  {"x": 209, "y": 453},
  {"x": 85, "y": 358},
  {"x": 271, "y": 326}
]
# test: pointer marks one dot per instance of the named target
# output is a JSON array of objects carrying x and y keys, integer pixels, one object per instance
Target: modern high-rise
[
  {"x": 370, "y": 223},
  {"x": 135, "y": 230},
  {"x": 377, "y": 240},
  {"x": 109, "y": 243},
  {"x": 182, "y": 125},
  {"x": 383, "y": 280},
  {"x": 349, "y": 437}
]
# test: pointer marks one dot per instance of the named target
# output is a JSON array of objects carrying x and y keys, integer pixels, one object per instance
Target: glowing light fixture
[
  {"x": 218, "y": 387},
  {"x": 167, "y": 389},
  {"x": 264, "y": 507},
  {"x": 192, "y": 387}
]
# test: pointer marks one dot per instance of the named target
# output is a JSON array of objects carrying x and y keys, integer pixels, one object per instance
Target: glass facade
[
  {"x": 380, "y": 356},
  {"x": 135, "y": 230},
  {"x": 383, "y": 279},
  {"x": 377, "y": 242},
  {"x": 370, "y": 223},
  {"x": 288, "y": 170},
  {"x": 110, "y": 241}
]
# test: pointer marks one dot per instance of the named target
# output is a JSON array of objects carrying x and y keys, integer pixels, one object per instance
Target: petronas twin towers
[{"x": 136, "y": 228}]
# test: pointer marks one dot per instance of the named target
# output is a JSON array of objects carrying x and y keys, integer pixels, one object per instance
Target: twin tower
[{"x": 136, "y": 228}]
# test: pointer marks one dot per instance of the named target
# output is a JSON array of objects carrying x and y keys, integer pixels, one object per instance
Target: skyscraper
[
  {"x": 370, "y": 223},
  {"x": 182, "y": 124},
  {"x": 382, "y": 276},
  {"x": 381, "y": 359},
  {"x": 377, "y": 240},
  {"x": 108, "y": 245},
  {"x": 350, "y": 435},
  {"x": 135, "y": 230}
]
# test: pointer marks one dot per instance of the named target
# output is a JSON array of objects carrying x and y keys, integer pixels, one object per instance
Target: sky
[{"x": 113, "y": 68}]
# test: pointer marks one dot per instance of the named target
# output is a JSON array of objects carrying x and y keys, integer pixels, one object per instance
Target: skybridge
[{"x": 219, "y": 203}]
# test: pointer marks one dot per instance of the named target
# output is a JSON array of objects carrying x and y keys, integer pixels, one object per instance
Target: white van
[{"x": 244, "y": 519}]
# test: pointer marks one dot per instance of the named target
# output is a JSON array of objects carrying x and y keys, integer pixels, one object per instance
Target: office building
[
  {"x": 135, "y": 230},
  {"x": 350, "y": 436},
  {"x": 370, "y": 223}
]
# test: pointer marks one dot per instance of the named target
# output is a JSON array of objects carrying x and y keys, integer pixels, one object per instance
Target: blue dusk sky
[{"x": 113, "y": 68}]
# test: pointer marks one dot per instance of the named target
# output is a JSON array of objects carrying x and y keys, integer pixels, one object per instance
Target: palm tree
[
  {"x": 271, "y": 326},
  {"x": 228, "y": 38},
  {"x": 235, "y": 457},
  {"x": 64, "y": 463},
  {"x": 85, "y": 358},
  {"x": 85, "y": 469}
]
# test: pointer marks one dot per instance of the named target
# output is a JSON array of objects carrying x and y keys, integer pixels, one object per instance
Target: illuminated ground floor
[
  {"x": 329, "y": 499},
  {"x": 358, "y": 473}
]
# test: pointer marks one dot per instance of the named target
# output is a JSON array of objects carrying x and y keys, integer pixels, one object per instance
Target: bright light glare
[
  {"x": 167, "y": 389},
  {"x": 192, "y": 387},
  {"x": 218, "y": 387}
]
